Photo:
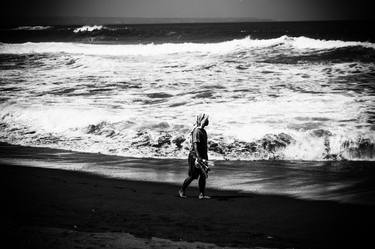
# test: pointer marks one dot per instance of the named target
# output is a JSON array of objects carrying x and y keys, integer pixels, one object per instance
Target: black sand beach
[{"x": 53, "y": 208}]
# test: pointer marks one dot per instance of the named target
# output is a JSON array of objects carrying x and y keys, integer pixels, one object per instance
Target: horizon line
[{"x": 81, "y": 20}]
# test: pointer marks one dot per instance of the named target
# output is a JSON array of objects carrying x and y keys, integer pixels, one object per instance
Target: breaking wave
[
  {"x": 87, "y": 28},
  {"x": 288, "y": 98},
  {"x": 297, "y": 44},
  {"x": 84, "y": 131},
  {"x": 32, "y": 28}
]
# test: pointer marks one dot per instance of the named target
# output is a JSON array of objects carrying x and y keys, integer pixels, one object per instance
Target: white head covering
[{"x": 201, "y": 119}]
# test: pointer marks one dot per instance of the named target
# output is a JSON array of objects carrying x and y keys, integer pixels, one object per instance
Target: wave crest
[
  {"x": 87, "y": 28},
  {"x": 166, "y": 140},
  {"x": 284, "y": 42},
  {"x": 32, "y": 28}
]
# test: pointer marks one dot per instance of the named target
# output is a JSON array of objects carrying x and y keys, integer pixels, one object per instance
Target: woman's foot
[
  {"x": 202, "y": 196},
  {"x": 181, "y": 193}
]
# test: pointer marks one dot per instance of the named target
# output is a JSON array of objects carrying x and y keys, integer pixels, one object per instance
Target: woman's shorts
[{"x": 194, "y": 172}]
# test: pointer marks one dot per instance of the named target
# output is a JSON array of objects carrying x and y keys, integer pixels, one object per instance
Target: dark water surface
[{"x": 189, "y": 32}]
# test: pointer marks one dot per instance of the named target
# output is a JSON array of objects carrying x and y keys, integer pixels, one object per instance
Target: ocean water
[{"x": 286, "y": 91}]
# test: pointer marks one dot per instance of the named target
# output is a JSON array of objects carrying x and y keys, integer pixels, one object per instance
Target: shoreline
[{"x": 350, "y": 182}]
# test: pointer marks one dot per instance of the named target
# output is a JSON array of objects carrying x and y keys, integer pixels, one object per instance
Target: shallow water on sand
[{"x": 347, "y": 182}]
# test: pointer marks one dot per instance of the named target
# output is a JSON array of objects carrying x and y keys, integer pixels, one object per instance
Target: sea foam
[
  {"x": 288, "y": 98},
  {"x": 301, "y": 43},
  {"x": 32, "y": 28},
  {"x": 87, "y": 28}
]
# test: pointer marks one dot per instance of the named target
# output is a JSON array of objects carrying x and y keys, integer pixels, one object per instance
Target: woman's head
[{"x": 202, "y": 120}]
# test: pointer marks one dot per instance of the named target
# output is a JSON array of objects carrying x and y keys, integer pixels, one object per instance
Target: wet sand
[
  {"x": 54, "y": 208},
  {"x": 342, "y": 181}
]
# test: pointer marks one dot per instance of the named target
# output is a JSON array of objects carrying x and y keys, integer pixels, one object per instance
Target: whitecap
[
  {"x": 245, "y": 44},
  {"x": 87, "y": 28}
]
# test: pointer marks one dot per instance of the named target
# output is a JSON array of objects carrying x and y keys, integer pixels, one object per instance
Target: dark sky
[{"x": 283, "y": 10}]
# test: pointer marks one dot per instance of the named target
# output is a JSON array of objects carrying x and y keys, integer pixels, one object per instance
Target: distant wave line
[{"x": 299, "y": 43}]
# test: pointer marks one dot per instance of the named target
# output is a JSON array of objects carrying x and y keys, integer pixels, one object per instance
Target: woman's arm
[{"x": 199, "y": 157}]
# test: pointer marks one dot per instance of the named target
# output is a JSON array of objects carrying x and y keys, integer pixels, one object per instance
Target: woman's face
[{"x": 206, "y": 122}]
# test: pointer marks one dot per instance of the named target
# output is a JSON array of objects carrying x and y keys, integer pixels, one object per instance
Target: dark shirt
[{"x": 199, "y": 136}]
